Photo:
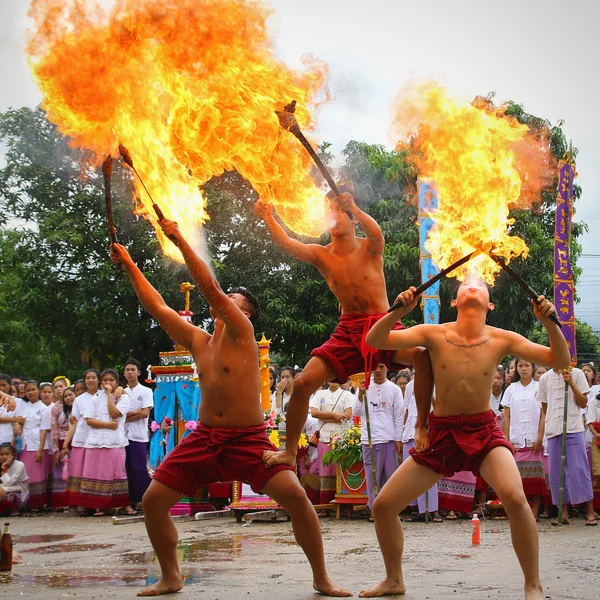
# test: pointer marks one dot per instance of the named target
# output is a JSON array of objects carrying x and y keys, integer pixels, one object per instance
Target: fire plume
[
  {"x": 483, "y": 163},
  {"x": 190, "y": 88}
]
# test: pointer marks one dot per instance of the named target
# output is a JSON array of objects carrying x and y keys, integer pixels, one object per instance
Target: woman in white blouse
[
  {"x": 104, "y": 481},
  {"x": 13, "y": 489},
  {"x": 523, "y": 426},
  {"x": 36, "y": 444}
]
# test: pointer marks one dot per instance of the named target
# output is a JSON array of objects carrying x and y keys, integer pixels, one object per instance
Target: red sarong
[
  {"x": 211, "y": 454},
  {"x": 460, "y": 443},
  {"x": 346, "y": 351}
]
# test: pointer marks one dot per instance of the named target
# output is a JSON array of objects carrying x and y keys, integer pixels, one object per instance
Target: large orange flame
[
  {"x": 482, "y": 163},
  {"x": 190, "y": 88}
]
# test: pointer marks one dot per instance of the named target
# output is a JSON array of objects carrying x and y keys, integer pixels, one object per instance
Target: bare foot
[
  {"x": 384, "y": 588},
  {"x": 279, "y": 458},
  {"x": 329, "y": 588},
  {"x": 534, "y": 593},
  {"x": 163, "y": 586},
  {"x": 16, "y": 558}
]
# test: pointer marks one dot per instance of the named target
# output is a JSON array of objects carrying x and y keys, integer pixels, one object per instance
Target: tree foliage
[{"x": 64, "y": 306}]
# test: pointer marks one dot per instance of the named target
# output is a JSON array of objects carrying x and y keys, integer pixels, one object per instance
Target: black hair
[
  {"x": 134, "y": 362},
  {"x": 91, "y": 371},
  {"x": 251, "y": 302},
  {"x": 5, "y": 377},
  {"x": 66, "y": 408},
  {"x": 81, "y": 381},
  {"x": 290, "y": 369},
  {"x": 8, "y": 446},
  {"x": 110, "y": 372},
  {"x": 344, "y": 188},
  {"x": 32, "y": 382},
  {"x": 517, "y": 376},
  {"x": 592, "y": 367},
  {"x": 274, "y": 373}
]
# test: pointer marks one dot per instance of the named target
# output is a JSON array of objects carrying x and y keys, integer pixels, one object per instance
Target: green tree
[{"x": 64, "y": 306}]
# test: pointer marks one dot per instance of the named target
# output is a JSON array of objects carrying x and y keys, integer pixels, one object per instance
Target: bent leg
[
  {"x": 500, "y": 470},
  {"x": 286, "y": 490},
  {"x": 408, "y": 482},
  {"x": 314, "y": 375},
  {"x": 162, "y": 532}
]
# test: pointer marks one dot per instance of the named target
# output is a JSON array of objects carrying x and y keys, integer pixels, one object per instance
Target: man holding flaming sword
[
  {"x": 353, "y": 269},
  {"x": 463, "y": 432},
  {"x": 230, "y": 439}
]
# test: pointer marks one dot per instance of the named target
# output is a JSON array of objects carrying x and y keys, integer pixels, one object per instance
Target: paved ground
[{"x": 223, "y": 560}]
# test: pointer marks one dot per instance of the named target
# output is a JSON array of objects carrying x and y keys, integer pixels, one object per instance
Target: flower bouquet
[
  {"x": 273, "y": 419},
  {"x": 345, "y": 447}
]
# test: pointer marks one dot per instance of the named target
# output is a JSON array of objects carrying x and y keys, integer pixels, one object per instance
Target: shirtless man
[
  {"x": 353, "y": 269},
  {"x": 463, "y": 432},
  {"x": 230, "y": 439}
]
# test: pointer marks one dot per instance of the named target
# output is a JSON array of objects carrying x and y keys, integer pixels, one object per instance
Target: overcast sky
[{"x": 542, "y": 54}]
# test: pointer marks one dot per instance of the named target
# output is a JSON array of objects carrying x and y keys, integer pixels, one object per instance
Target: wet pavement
[{"x": 65, "y": 556}]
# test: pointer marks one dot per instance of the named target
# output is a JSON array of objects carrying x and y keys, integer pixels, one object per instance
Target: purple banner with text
[{"x": 563, "y": 275}]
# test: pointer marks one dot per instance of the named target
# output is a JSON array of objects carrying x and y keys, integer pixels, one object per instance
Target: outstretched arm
[
  {"x": 557, "y": 356},
  {"x": 382, "y": 336},
  {"x": 179, "y": 330},
  {"x": 304, "y": 252},
  {"x": 224, "y": 308},
  {"x": 375, "y": 239}
]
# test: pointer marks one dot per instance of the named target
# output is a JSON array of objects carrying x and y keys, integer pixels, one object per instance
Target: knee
[
  {"x": 150, "y": 500},
  {"x": 514, "y": 500},
  {"x": 295, "y": 500},
  {"x": 382, "y": 508}
]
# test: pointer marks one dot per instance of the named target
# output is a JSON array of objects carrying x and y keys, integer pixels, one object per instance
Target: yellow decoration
[
  {"x": 274, "y": 438},
  {"x": 356, "y": 380},
  {"x": 264, "y": 361},
  {"x": 303, "y": 441},
  {"x": 185, "y": 288}
]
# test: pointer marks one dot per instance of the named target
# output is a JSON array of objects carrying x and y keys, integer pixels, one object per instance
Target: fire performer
[
  {"x": 353, "y": 269},
  {"x": 230, "y": 439},
  {"x": 463, "y": 432}
]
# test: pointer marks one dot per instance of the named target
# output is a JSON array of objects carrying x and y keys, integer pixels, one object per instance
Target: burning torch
[
  {"x": 288, "y": 121},
  {"x": 126, "y": 156}
]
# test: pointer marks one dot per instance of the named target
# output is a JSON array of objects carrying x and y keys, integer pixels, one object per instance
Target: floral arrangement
[
  {"x": 274, "y": 439},
  {"x": 345, "y": 447},
  {"x": 273, "y": 418}
]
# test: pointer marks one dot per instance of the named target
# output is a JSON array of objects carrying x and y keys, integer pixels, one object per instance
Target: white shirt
[
  {"x": 98, "y": 409},
  {"x": 80, "y": 405},
  {"x": 410, "y": 410},
  {"x": 593, "y": 411},
  {"x": 7, "y": 429},
  {"x": 325, "y": 400},
  {"x": 386, "y": 413},
  {"x": 524, "y": 413},
  {"x": 495, "y": 403},
  {"x": 594, "y": 391},
  {"x": 37, "y": 418},
  {"x": 140, "y": 397},
  {"x": 15, "y": 479},
  {"x": 551, "y": 391},
  {"x": 310, "y": 426}
]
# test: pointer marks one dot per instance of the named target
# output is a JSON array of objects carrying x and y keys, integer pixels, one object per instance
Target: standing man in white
[
  {"x": 386, "y": 417},
  {"x": 136, "y": 431}
]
